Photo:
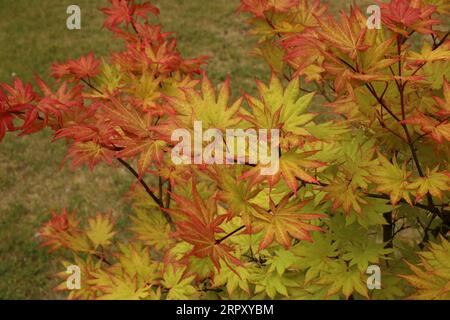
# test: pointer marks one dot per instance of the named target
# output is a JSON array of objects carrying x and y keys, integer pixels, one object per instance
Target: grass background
[{"x": 33, "y": 35}]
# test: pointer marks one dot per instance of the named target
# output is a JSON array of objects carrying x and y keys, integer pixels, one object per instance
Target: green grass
[{"x": 33, "y": 35}]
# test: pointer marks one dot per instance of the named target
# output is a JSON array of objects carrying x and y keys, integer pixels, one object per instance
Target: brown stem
[
  {"x": 169, "y": 190},
  {"x": 441, "y": 41},
  {"x": 425, "y": 232},
  {"x": 388, "y": 230},
  {"x": 219, "y": 241},
  {"x": 89, "y": 84},
  {"x": 148, "y": 190},
  {"x": 102, "y": 258}
]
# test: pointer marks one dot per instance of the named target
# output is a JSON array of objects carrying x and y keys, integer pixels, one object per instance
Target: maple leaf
[
  {"x": 143, "y": 9},
  {"x": 60, "y": 70},
  {"x": 236, "y": 193},
  {"x": 62, "y": 231},
  {"x": 179, "y": 285},
  {"x": 85, "y": 67},
  {"x": 152, "y": 228},
  {"x": 145, "y": 90},
  {"x": 135, "y": 259},
  {"x": 437, "y": 130},
  {"x": 122, "y": 11},
  {"x": 399, "y": 15},
  {"x": 150, "y": 151},
  {"x": 430, "y": 54},
  {"x": 130, "y": 119},
  {"x": 271, "y": 283},
  {"x": 292, "y": 166},
  {"x": 343, "y": 194},
  {"x": 282, "y": 261},
  {"x": 348, "y": 36},
  {"x": 392, "y": 179},
  {"x": 198, "y": 223},
  {"x": 442, "y": 6},
  {"x": 19, "y": 96},
  {"x": 205, "y": 106},
  {"x": 304, "y": 52},
  {"x": 363, "y": 254},
  {"x": 255, "y": 7},
  {"x": 444, "y": 104},
  {"x": 118, "y": 13},
  {"x": 6, "y": 118},
  {"x": 87, "y": 266},
  {"x": 119, "y": 286},
  {"x": 280, "y": 108},
  {"x": 100, "y": 230},
  {"x": 233, "y": 279},
  {"x": 90, "y": 153},
  {"x": 431, "y": 278},
  {"x": 433, "y": 182},
  {"x": 259, "y": 7},
  {"x": 144, "y": 138},
  {"x": 342, "y": 278},
  {"x": 54, "y": 104},
  {"x": 282, "y": 5},
  {"x": 316, "y": 257},
  {"x": 309, "y": 12},
  {"x": 284, "y": 222}
]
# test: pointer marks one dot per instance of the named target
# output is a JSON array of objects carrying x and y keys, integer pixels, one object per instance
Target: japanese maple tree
[{"x": 363, "y": 178}]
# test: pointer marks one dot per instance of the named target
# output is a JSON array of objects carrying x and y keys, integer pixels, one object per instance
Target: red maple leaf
[
  {"x": 399, "y": 15},
  {"x": 85, "y": 67},
  {"x": 437, "y": 130},
  {"x": 122, "y": 11},
  {"x": 19, "y": 96},
  {"x": 198, "y": 223},
  {"x": 6, "y": 118},
  {"x": 259, "y": 7}
]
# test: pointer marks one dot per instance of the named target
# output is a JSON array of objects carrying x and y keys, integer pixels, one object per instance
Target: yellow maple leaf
[{"x": 100, "y": 230}]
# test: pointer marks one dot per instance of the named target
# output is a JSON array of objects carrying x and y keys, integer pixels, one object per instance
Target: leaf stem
[{"x": 219, "y": 241}]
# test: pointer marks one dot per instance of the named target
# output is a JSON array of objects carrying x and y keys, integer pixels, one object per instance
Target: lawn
[{"x": 33, "y": 34}]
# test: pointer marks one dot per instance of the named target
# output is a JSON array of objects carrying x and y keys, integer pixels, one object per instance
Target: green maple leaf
[
  {"x": 280, "y": 108},
  {"x": 151, "y": 227},
  {"x": 211, "y": 109},
  {"x": 363, "y": 254},
  {"x": 392, "y": 287},
  {"x": 271, "y": 283},
  {"x": 316, "y": 257},
  {"x": 234, "y": 279},
  {"x": 341, "y": 278},
  {"x": 179, "y": 285},
  {"x": 431, "y": 278},
  {"x": 120, "y": 286},
  {"x": 343, "y": 232},
  {"x": 281, "y": 261},
  {"x": 136, "y": 261},
  {"x": 372, "y": 215}
]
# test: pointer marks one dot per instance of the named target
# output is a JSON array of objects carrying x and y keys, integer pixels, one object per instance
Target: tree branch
[{"x": 158, "y": 201}]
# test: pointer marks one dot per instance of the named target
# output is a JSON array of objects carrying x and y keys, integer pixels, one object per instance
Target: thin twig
[{"x": 218, "y": 241}]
